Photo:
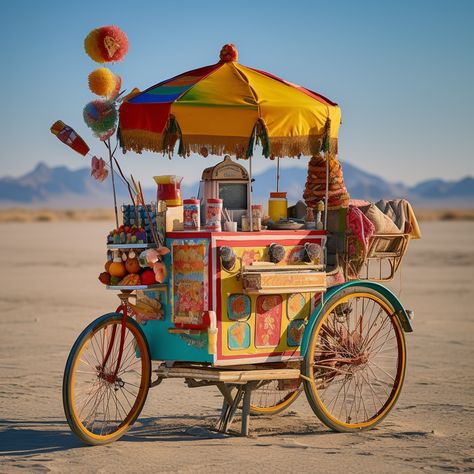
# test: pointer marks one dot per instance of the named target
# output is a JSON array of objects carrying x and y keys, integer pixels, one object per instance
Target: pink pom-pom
[{"x": 112, "y": 43}]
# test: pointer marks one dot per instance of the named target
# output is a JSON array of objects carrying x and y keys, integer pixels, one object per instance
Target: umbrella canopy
[{"x": 225, "y": 108}]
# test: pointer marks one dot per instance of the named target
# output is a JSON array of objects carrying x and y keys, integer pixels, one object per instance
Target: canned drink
[
  {"x": 214, "y": 214},
  {"x": 191, "y": 214}
]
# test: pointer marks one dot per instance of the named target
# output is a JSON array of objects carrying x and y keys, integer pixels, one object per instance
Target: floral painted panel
[
  {"x": 295, "y": 332},
  {"x": 190, "y": 281},
  {"x": 238, "y": 336},
  {"x": 238, "y": 307},
  {"x": 268, "y": 320},
  {"x": 297, "y": 306}
]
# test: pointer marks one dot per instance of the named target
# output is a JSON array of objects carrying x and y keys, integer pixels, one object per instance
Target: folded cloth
[
  {"x": 383, "y": 224},
  {"x": 402, "y": 214},
  {"x": 360, "y": 226}
]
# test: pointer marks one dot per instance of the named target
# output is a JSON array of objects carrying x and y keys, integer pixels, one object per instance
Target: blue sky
[{"x": 402, "y": 72}]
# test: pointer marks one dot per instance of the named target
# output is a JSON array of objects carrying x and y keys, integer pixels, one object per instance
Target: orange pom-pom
[
  {"x": 228, "y": 53},
  {"x": 102, "y": 82}
]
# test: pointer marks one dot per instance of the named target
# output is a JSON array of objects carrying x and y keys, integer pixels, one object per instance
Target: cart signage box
[{"x": 283, "y": 280}]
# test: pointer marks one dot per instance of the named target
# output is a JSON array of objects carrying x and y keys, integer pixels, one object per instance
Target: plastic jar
[
  {"x": 257, "y": 210},
  {"x": 277, "y": 206}
]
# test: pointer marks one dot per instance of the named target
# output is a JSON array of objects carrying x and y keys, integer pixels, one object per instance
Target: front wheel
[
  {"x": 102, "y": 398},
  {"x": 355, "y": 362}
]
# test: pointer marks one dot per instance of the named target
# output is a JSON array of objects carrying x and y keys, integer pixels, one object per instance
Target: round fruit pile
[{"x": 124, "y": 269}]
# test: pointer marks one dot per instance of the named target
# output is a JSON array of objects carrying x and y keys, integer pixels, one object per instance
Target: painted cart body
[{"x": 251, "y": 328}]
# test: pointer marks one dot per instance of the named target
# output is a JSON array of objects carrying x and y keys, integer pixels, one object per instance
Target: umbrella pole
[
  {"x": 113, "y": 181},
  {"x": 327, "y": 193},
  {"x": 278, "y": 174},
  {"x": 250, "y": 194}
]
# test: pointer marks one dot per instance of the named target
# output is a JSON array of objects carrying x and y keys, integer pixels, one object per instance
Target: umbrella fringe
[
  {"x": 296, "y": 146},
  {"x": 207, "y": 144},
  {"x": 141, "y": 140},
  {"x": 241, "y": 147}
]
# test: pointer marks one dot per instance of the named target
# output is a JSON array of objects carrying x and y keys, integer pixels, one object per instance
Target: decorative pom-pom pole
[{"x": 105, "y": 45}]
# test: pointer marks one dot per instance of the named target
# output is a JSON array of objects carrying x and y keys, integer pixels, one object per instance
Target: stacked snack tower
[{"x": 315, "y": 189}]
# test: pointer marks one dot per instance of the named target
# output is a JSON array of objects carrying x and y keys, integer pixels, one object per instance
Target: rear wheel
[
  {"x": 355, "y": 362},
  {"x": 102, "y": 399},
  {"x": 274, "y": 397}
]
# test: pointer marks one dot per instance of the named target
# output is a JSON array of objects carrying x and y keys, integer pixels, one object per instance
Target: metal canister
[
  {"x": 214, "y": 214},
  {"x": 191, "y": 214}
]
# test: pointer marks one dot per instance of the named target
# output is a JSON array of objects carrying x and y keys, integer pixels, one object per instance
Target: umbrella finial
[{"x": 228, "y": 53}]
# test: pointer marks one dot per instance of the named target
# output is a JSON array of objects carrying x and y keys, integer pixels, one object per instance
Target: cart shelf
[
  {"x": 130, "y": 246},
  {"x": 157, "y": 286},
  {"x": 227, "y": 376}
]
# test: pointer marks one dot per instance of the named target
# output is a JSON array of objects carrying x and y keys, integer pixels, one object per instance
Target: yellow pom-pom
[
  {"x": 91, "y": 45},
  {"x": 102, "y": 81}
]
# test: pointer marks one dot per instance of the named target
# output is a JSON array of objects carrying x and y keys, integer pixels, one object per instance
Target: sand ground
[{"x": 49, "y": 293}]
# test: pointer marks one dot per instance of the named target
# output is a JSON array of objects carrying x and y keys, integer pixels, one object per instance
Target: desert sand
[{"x": 49, "y": 292}]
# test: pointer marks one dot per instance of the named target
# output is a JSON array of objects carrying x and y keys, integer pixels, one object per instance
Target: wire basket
[{"x": 378, "y": 262}]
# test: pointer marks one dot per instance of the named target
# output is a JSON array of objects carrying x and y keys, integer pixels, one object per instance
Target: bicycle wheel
[
  {"x": 356, "y": 359},
  {"x": 101, "y": 401},
  {"x": 274, "y": 397}
]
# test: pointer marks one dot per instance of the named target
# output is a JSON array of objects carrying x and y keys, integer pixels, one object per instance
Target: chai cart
[{"x": 258, "y": 327}]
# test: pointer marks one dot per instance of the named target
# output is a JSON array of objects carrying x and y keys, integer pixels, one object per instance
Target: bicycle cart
[{"x": 256, "y": 312}]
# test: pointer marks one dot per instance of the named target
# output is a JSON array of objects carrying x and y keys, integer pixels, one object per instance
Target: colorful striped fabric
[{"x": 225, "y": 108}]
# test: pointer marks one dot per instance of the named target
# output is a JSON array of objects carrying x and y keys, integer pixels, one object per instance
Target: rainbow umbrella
[{"x": 227, "y": 108}]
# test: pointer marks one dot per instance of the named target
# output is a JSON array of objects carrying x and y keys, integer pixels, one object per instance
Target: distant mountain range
[{"x": 60, "y": 187}]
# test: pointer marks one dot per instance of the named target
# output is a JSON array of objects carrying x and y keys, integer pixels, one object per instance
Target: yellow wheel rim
[
  {"x": 98, "y": 401},
  {"x": 347, "y": 345}
]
